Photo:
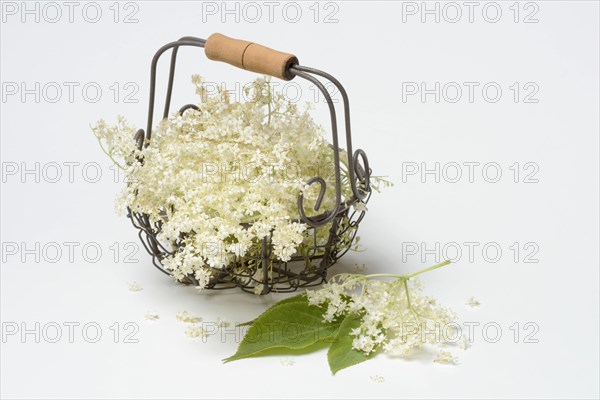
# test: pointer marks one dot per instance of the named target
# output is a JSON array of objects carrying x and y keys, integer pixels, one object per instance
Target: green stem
[
  {"x": 436, "y": 266},
  {"x": 397, "y": 276},
  {"x": 409, "y": 305},
  {"x": 109, "y": 155}
]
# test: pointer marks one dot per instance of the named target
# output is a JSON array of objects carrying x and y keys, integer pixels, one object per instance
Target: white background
[{"x": 372, "y": 47}]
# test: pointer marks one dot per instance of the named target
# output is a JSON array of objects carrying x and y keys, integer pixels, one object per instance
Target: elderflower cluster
[
  {"x": 221, "y": 178},
  {"x": 394, "y": 315},
  {"x": 117, "y": 141}
]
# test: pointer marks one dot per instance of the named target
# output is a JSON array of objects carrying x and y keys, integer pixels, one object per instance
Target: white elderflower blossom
[
  {"x": 151, "y": 316},
  {"x": 222, "y": 178},
  {"x": 472, "y": 302},
  {"x": 360, "y": 206},
  {"x": 117, "y": 141},
  {"x": 134, "y": 287},
  {"x": 186, "y": 317},
  {"x": 360, "y": 268},
  {"x": 465, "y": 343},
  {"x": 195, "y": 331},
  {"x": 221, "y": 323},
  {"x": 287, "y": 362},
  {"x": 394, "y": 315},
  {"x": 445, "y": 357}
]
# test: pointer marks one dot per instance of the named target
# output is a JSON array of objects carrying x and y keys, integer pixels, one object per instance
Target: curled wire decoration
[
  {"x": 320, "y": 197},
  {"x": 363, "y": 173},
  {"x": 260, "y": 272},
  {"x": 359, "y": 194},
  {"x": 188, "y": 107},
  {"x": 328, "y": 215}
]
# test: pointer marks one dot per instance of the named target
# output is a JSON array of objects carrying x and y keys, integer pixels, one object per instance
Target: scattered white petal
[
  {"x": 356, "y": 246},
  {"x": 360, "y": 268},
  {"x": 196, "y": 331},
  {"x": 135, "y": 287},
  {"x": 151, "y": 316},
  {"x": 445, "y": 357},
  {"x": 184, "y": 316},
  {"x": 360, "y": 206},
  {"x": 472, "y": 302},
  {"x": 221, "y": 323},
  {"x": 465, "y": 343},
  {"x": 287, "y": 362}
]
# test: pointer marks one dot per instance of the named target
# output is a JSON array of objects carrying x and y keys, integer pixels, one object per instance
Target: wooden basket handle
[{"x": 250, "y": 56}]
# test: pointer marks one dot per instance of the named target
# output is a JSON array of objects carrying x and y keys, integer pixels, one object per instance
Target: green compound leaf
[
  {"x": 298, "y": 297},
  {"x": 341, "y": 354},
  {"x": 289, "y": 325}
]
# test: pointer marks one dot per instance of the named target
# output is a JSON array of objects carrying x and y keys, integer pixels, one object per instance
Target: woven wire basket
[{"x": 260, "y": 271}]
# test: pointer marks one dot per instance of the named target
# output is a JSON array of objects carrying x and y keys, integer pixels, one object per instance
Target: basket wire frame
[{"x": 260, "y": 272}]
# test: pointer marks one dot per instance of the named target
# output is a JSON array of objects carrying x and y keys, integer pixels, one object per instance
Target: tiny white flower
[
  {"x": 221, "y": 323},
  {"x": 258, "y": 289},
  {"x": 151, "y": 316},
  {"x": 445, "y": 357},
  {"x": 196, "y": 331},
  {"x": 135, "y": 287},
  {"x": 360, "y": 206},
  {"x": 287, "y": 362},
  {"x": 472, "y": 302},
  {"x": 186, "y": 317},
  {"x": 360, "y": 268},
  {"x": 465, "y": 343}
]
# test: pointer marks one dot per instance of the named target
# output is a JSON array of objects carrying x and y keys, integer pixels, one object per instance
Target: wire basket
[{"x": 260, "y": 271}]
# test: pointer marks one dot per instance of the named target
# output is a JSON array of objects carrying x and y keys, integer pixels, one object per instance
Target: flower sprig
[
  {"x": 356, "y": 315},
  {"x": 393, "y": 314}
]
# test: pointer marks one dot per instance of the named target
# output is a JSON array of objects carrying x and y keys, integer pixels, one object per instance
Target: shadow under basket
[{"x": 329, "y": 235}]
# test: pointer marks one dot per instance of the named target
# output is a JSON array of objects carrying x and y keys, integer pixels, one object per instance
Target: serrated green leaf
[
  {"x": 298, "y": 297},
  {"x": 292, "y": 325},
  {"x": 341, "y": 354}
]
